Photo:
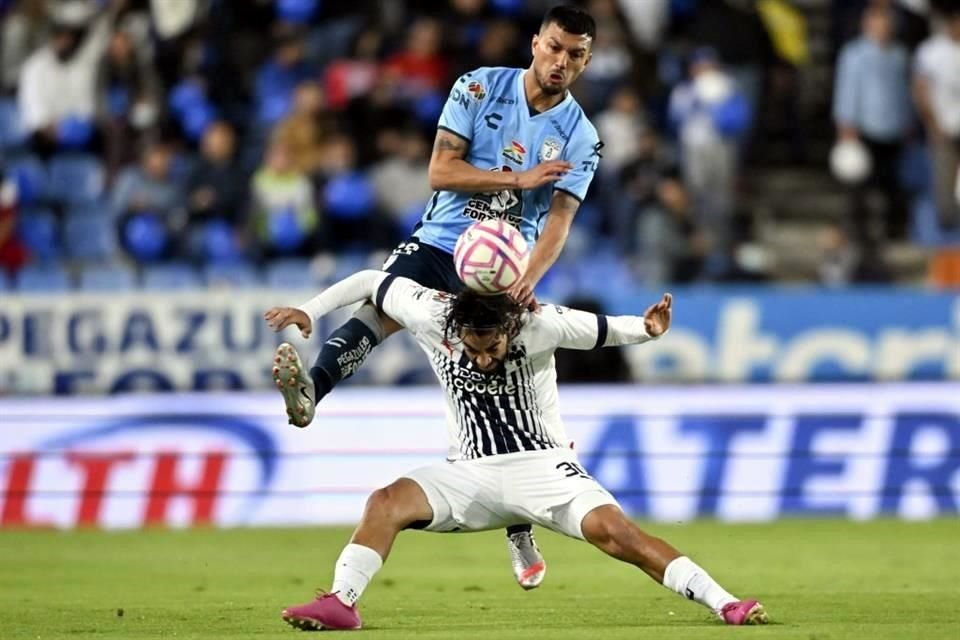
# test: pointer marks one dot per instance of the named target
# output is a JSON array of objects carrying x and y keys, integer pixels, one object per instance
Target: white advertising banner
[
  {"x": 667, "y": 453},
  {"x": 217, "y": 340}
]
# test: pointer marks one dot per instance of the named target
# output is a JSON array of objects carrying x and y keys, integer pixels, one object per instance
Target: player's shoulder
[
  {"x": 582, "y": 130},
  {"x": 548, "y": 315},
  {"x": 411, "y": 288},
  {"x": 480, "y": 81}
]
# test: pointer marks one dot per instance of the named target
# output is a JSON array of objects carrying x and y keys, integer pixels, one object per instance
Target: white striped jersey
[{"x": 515, "y": 408}]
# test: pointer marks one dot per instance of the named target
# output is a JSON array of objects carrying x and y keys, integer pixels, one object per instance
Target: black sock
[
  {"x": 341, "y": 355},
  {"x": 518, "y": 528}
]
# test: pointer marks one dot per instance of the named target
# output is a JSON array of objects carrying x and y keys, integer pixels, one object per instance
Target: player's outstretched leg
[
  {"x": 388, "y": 512},
  {"x": 348, "y": 346},
  {"x": 612, "y": 532},
  {"x": 529, "y": 567}
]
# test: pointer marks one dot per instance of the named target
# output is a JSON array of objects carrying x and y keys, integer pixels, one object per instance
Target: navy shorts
[{"x": 425, "y": 265}]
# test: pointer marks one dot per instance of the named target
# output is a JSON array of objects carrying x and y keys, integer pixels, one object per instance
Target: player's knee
[
  {"x": 389, "y": 506},
  {"x": 605, "y": 527}
]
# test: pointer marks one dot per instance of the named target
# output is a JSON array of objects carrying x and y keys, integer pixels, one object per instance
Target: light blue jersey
[{"x": 488, "y": 108}]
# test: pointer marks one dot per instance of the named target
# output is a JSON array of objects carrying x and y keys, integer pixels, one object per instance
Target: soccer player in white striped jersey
[{"x": 494, "y": 360}]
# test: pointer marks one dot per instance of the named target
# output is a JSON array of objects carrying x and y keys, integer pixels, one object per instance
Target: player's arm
[
  {"x": 450, "y": 171},
  {"x": 545, "y": 252},
  {"x": 574, "y": 329},
  {"x": 352, "y": 289},
  {"x": 402, "y": 305}
]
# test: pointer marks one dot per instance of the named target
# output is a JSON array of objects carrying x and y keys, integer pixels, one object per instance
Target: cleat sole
[
  {"x": 308, "y": 624},
  {"x": 757, "y": 615},
  {"x": 288, "y": 378}
]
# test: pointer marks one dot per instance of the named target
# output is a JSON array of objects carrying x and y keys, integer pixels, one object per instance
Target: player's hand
[
  {"x": 657, "y": 317},
  {"x": 279, "y": 318},
  {"x": 522, "y": 292},
  {"x": 543, "y": 173}
]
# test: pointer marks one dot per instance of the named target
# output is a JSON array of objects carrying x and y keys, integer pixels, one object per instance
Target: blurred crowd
[{"x": 164, "y": 142}]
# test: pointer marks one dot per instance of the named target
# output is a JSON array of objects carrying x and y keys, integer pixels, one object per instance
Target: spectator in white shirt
[
  {"x": 58, "y": 81},
  {"x": 936, "y": 90}
]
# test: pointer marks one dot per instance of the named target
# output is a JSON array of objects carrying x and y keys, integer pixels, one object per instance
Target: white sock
[
  {"x": 687, "y": 578},
  {"x": 356, "y": 566}
]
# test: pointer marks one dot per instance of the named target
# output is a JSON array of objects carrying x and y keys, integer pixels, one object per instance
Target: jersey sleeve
[
  {"x": 558, "y": 327},
  {"x": 584, "y": 154},
  {"x": 561, "y": 327},
  {"x": 463, "y": 103},
  {"x": 414, "y": 306}
]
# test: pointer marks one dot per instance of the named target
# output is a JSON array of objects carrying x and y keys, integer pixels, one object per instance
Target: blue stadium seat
[
  {"x": 236, "y": 274},
  {"x": 291, "y": 273},
  {"x": 12, "y": 134},
  {"x": 5, "y": 284},
  {"x": 49, "y": 278},
  {"x": 93, "y": 209},
  {"x": 76, "y": 178},
  {"x": 174, "y": 276},
  {"x": 89, "y": 238},
  {"x": 33, "y": 181},
  {"x": 107, "y": 277},
  {"x": 39, "y": 231}
]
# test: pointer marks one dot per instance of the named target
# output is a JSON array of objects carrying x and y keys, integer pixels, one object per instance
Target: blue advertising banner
[{"x": 218, "y": 340}]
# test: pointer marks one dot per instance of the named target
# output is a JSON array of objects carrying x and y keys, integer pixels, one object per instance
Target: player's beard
[{"x": 547, "y": 88}]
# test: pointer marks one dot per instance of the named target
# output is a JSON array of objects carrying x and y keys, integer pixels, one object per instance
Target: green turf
[{"x": 820, "y": 580}]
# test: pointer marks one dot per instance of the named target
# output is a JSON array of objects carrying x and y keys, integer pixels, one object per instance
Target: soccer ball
[{"x": 490, "y": 256}]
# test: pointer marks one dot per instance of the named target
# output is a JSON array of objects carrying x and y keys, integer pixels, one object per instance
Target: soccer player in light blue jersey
[{"x": 511, "y": 144}]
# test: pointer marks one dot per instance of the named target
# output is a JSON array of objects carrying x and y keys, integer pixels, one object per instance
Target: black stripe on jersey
[
  {"x": 474, "y": 414},
  {"x": 456, "y": 133},
  {"x": 491, "y": 416},
  {"x": 601, "y": 331},
  {"x": 382, "y": 291},
  {"x": 465, "y": 435},
  {"x": 540, "y": 429},
  {"x": 526, "y": 433},
  {"x": 520, "y": 404},
  {"x": 433, "y": 205}
]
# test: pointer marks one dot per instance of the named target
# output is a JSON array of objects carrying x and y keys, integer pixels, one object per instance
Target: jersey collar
[{"x": 525, "y": 106}]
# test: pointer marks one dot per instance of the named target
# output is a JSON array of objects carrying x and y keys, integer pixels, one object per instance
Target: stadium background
[{"x": 223, "y": 157}]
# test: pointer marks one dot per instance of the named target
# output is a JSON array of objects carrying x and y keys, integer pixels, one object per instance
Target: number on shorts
[{"x": 572, "y": 469}]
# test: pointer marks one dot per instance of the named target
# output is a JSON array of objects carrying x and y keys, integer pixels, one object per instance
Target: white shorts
[{"x": 548, "y": 488}]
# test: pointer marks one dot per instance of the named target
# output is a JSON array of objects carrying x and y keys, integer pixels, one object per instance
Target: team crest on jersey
[
  {"x": 550, "y": 150},
  {"x": 515, "y": 152},
  {"x": 476, "y": 90}
]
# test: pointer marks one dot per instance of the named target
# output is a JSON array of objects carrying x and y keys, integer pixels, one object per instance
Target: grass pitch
[{"x": 820, "y": 580}]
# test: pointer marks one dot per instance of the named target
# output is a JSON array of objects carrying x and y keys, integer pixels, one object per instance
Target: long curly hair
[{"x": 482, "y": 313}]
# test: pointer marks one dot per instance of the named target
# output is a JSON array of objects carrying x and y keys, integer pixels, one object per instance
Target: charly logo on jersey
[
  {"x": 550, "y": 150},
  {"x": 506, "y": 205},
  {"x": 515, "y": 152},
  {"x": 476, "y": 90}
]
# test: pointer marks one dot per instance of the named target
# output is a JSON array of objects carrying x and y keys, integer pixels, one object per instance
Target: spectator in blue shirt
[{"x": 871, "y": 103}]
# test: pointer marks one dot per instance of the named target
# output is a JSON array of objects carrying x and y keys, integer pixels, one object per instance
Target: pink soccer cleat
[
  {"x": 744, "y": 612},
  {"x": 325, "y": 612}
]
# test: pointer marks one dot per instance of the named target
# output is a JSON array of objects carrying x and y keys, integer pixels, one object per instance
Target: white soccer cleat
[
  {"x": 529, "y": 567},
  {"x": 294, "y": 384}
]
